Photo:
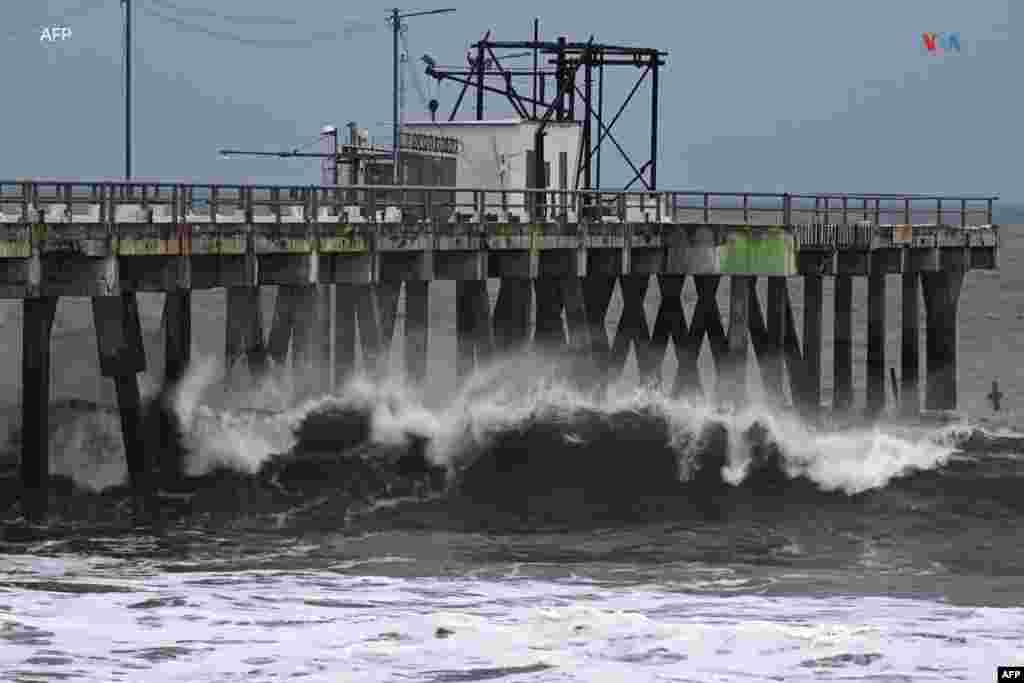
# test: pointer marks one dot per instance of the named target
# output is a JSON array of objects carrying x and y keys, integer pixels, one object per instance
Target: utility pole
[
  {"x": 127, "y": 89},
  {"x": 396, "y": 26}
]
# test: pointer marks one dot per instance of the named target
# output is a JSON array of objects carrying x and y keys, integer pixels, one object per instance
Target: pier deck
[{"x": 559, "y": 255}]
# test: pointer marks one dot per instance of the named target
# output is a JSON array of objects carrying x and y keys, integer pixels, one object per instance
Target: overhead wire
[{"x": 349, "y": 27}]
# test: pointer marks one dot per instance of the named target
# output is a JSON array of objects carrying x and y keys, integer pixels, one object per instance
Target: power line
[
  {"x": 230, "y": 18},
  {"x": 251, "y": 42}
]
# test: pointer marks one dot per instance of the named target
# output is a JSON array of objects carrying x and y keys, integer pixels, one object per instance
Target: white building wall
[{"x": 494, "y": 156}]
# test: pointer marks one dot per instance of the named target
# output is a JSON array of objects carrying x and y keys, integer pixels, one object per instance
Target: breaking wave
[{"x": 519, "y": 437}]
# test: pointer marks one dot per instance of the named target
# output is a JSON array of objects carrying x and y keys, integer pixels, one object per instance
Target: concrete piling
[
  {"x": 670, "y": 324},
  {"x": 910, "y": 401},
  {"x": 597, "y": 293},
  {"x": 738, "y": 334},
  {"x": 632, "y": 329},
  {"x": 813, "y": 303},
  {"x": 473, "y": 326},
  {"x": 37, "y": 324},
  {"x": 875, "y": 399},
  {"x": 773, "y": 361},
  {"x": 344, "y": 332},
  {"x": 121, "y": 356},
  {"x": 417, "y": 325},
  {"x": 177, "y": 326},
  {"x": 512, "y": 314},
  {"x": 941, "y": 299},
  {"x": 842, "y": 359}
]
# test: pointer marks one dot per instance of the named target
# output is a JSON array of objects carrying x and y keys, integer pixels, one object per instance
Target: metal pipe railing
[{"x": 411, "y": 203}]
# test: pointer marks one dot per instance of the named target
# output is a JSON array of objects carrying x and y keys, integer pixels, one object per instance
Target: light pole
[
  {"x": 396, "y": 26},
  {"x": 127, "y": 89}
]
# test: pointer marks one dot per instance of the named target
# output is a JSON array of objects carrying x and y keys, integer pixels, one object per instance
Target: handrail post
[
  {"x": 825, "y": 202},
  {"x": 846, "y": 216},
  {"x": 707, "y": 211},
  {"x": 938, "y": 220},
  {"x": 906, "y": 211},
  {"x": 787, "y": 210},
  {"x": 428, "y": 206},
  {"x": 621, "y": 206},
  {"x": 878, "y": 211},
  {"x": 371, "y": 204},
  {"x": 988, "y": 214},
  {"x": 746, "y": 207}
]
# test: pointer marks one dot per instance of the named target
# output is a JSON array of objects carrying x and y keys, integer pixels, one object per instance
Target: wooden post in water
[
  {"x": 910, "y": 401},
  {"x": 875, "y": 399},
  {"x": 37, "y": 323},
  {"x": 842, "y": 361}
]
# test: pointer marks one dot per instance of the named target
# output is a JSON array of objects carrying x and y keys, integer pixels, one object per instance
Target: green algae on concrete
[{"x": 758, "y": 251}]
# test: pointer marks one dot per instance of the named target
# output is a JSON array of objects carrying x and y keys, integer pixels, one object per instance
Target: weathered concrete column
[
  {"x": 632, "y": 325},
  {"x": 304, "y": 336},
  {"x": 473, "y": 326},
  {"x": 243, "y": 334},
  {"x": 842, "y": 361},
  {"x": 549, "y": 329},
  {"x": 794, "y": 354},
  {"x": 388, "y": 293},
  {"x": 875, "y": 402},
  {"x": 739, "y": 326},
  {"x": 773, "y": 365},
  {"x": 417, "y": 325},
  {"x": 37, "y": 323},
  {"x": 597, "y": 292},
  {"x": 322, "y": 340},
  {"x": 279, "y": 341},
  {"x": 177, "y": 324},
  {"x": 670, "y": 324},
  {"x": 344, "y": 332},
  {"x": 581, "y": 371},
  {"x": 910, "y": 369},
  {"x": 941, "y": 300},
  {"x": 370, "y": 335},
  {"x": 706, "y": 320},
  {"x": 122, "y": 355},
  {"x": 512, "y": 314},
  {"x": 813, "y": 303}
]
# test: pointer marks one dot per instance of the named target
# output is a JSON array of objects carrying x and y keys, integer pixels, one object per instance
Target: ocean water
[{"x": 518, "y": 529}]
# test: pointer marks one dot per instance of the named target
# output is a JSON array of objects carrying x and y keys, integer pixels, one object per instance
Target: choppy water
[{"x": 521, "y": 531}]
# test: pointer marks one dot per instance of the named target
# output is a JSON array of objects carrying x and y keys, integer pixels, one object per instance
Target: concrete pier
[{"x": 556, "y": 276}]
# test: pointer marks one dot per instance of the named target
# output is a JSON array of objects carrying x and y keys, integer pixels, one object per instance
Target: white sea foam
[{"x": 268, "y": 625}]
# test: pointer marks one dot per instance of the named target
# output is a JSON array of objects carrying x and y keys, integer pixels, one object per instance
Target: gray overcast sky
[{"x": 800, "y": 95}]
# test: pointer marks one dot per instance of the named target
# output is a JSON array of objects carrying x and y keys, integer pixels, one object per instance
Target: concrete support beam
[
  {"x": 473, "y": 326},
  {"x": 910, "y": 366},
  {"x": 597, "y": 293},
  {"x": 941, "y": 300},
  {"x": 875, "y": 400},
  {"x": 739, "y": 325},
  {"x": 177, "y": 324},
  {"x": 122, "y": 355},
  {"x": 37, "y": 324},
  {"x": 512, "y": 315},
  {"x": 371, "y": 337},
  {"x": 244, "y": 329},
  {"x": 549, "y": 334},
  {"x": 417, "y": 326},
  {"x": 633, "y": 323},
  {"x": 842, "y": 332},
  {"x": 813, "y": 302},
  {"x": 794, "y": 354},
  {"x": 344, "y": 332},
  {"x": 772, "y": 361},
  {"x": 670, "y": 323},
  {"x": 282, "y": 326}
]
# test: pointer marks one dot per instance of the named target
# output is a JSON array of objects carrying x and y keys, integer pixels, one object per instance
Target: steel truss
[{"x": 571, "y": 102}]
